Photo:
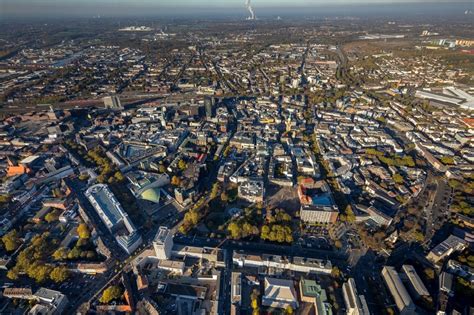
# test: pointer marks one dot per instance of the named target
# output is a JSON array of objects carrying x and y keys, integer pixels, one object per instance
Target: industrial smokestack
[{"x": 249, "y": 7}]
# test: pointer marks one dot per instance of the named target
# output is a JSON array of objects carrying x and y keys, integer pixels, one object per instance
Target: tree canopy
[
  {"x": 111, "y": 293},
  {"x": 83, "y": 231},
  {"x": 11, "y": 241},
  {"x": 59, "y": 274}
]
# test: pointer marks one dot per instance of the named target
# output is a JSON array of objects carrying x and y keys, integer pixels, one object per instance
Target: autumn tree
[
  {"x": 224, "y": 197},
  {"x": 335, "y": 272},
  {"x": 39, "y": 272},
  {"x": 11, "y": 241},
  {"x": 175, "y": 181},
  {"x": 111, "y": 293},
  {"x": 83, "y": 231},
  {"x": 429, "y": 272},
  {"x": 12, "y": 274},
  {"x": 182, "y": 165},
  {"x": 447, "y": 160},
  {"x": 61, "y": 253},
  {"x": 254, "y": 302},
  {"x": 59, "y": 274},
  {"x": 235, "y": 230},
  {"x": 397, "y": 178},
  {"x": 52, "y": 216},
  {"x": 161, "y": 168},
  {"x": 119, "y": 177}
]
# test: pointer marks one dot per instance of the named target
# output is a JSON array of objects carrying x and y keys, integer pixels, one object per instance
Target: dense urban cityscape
[{"x": 242, "y": 165}]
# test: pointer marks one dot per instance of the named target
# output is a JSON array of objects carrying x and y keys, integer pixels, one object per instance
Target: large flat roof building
[
  {"x": 319, "y": 214},
  {"x": 449, "y": 95},
  {"x": 106, "y": 205},
  {"x": 114, "y": 217},
  {"x": 415, "y": 285},
  {"x": 398, "y": 291},
  {"x": 279, "y": 293}
]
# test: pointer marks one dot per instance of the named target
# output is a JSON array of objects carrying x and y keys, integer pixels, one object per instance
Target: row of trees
[
  {"x": 463, "y": 190},
  {"x": 277, "y": 233},
  {"x": 77, "y": 252},
  {"x": 108, "y": 172},
  {"x": 391, "y": 160},
  {"x": 192, "y": 217},
  {"x": 241, "y": 229}
]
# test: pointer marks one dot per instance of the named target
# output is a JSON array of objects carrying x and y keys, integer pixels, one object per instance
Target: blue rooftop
[{"x": 322, "y": 200}]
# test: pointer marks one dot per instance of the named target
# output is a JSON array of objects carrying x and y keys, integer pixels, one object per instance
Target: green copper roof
[{"x": 152, "y": 194}]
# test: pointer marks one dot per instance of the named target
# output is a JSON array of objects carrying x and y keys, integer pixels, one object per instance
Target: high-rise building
[
  {"x": 209, "y": 106},
  {"x": 112, "y": 102},
  {"x": 163, "y": 243}
]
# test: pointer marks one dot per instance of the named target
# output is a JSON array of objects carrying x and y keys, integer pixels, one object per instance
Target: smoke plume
[{"x": 249, "y": 7}]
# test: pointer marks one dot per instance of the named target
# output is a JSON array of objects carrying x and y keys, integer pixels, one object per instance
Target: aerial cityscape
[{"x": 237, "y": 157}]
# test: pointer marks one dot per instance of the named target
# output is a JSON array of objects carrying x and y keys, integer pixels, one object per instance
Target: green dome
[{"x": 151, "y": 194}]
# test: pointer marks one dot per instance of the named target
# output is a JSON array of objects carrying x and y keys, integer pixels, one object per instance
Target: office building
[
  {"x": 414, "y": 283},
  {"x": 446, "y": 283},
  {"x": 114, "y": 217},
  {"x": 163, "y": 243},
  {"x": 318, "y": 214},
  {"x": 398, "y": 291},
  {"x": 355, "y": 303},
  {"x": 279, "y": 293},
  {"x": 446, "y": 248},
  {"x": 312, "y": 292},
  {"x": 209, "y": 106},
  {"x": 236, "y": 288},
  {"x": 317, "y": 202},
  {"x": 49, "y": 302}
]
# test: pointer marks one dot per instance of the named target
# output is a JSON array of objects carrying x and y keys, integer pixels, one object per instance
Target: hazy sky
[
  {"x": 40, "y": 8},
  {"x": 222, "y": 3}
]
